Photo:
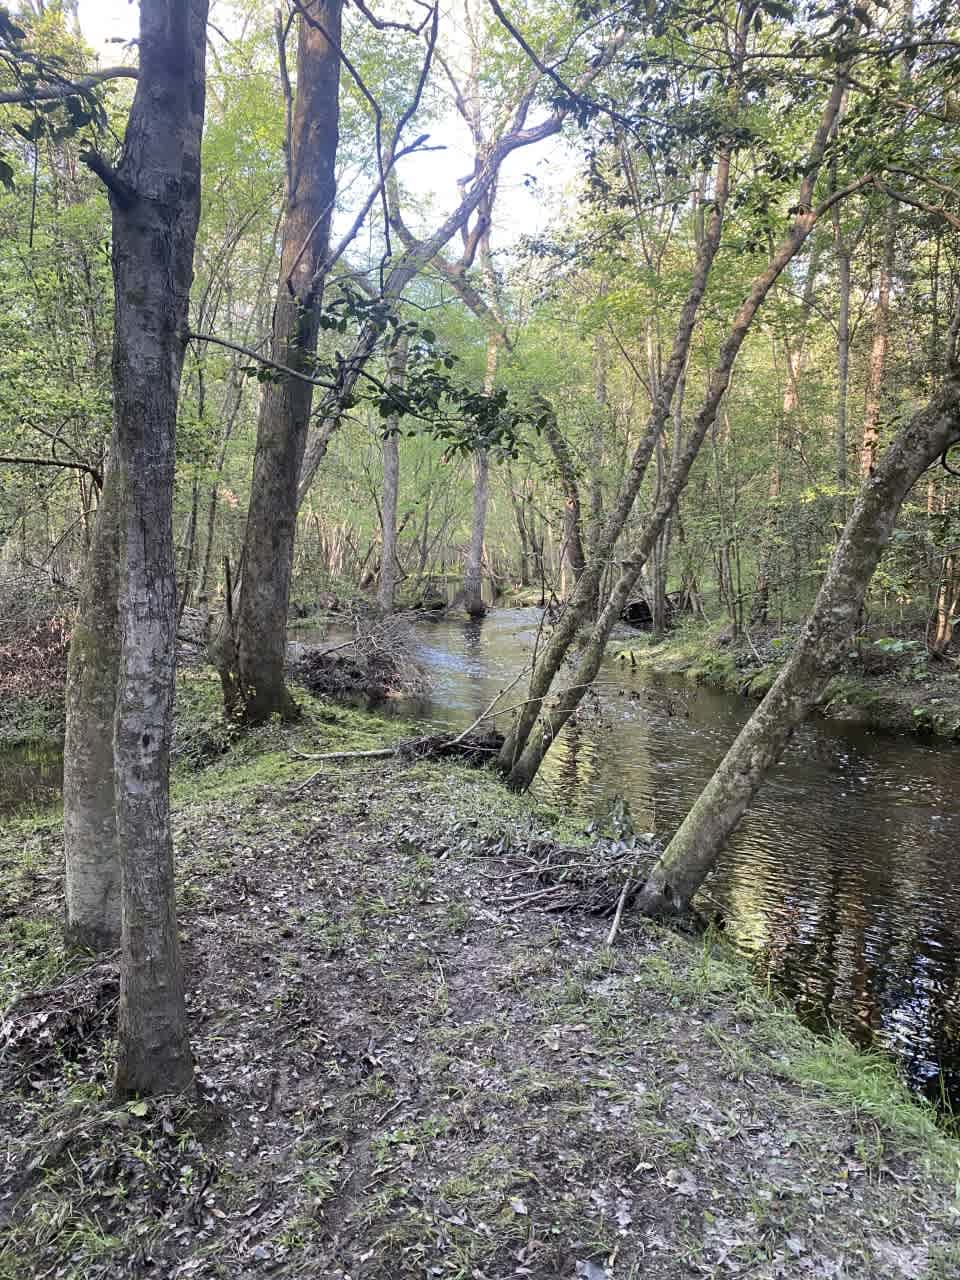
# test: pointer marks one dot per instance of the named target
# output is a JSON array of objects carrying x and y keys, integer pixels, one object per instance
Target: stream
[{"x": 843, "y": 882}]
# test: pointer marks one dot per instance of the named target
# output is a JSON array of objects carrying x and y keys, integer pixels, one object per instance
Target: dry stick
[
  {"x": 618, "y": 914},
  {"x": 510, "y": 901}
]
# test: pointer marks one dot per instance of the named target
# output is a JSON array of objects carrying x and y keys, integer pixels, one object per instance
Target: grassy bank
[
  {"x": 885, "y": 684},
  {"x": 403, "y": 1074}
]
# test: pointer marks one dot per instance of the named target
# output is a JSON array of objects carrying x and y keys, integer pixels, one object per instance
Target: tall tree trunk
[
  {"x": 91, "y": 852},
  {"x": 189, "y": 549},
  {"x": 791, "y": 403},
  {"x": 572, "y": 552},
  {"x": 585, "y": 594},
  {"x": 253, "y": 675},
  {"x": 473, "y": 573},
  {"x": 391, "y": 486},
  {"x": 535, "y": 729},
  {"x": 947, "y": 605},
  {"x": 693, "y": 851},
  {"x": 870, "y": 445},
  {"x": 843, "y": 366},
  {"x": 519, "y": 515},
  {"x": 155, "y": 198}
]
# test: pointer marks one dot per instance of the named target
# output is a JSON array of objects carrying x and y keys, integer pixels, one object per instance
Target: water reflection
[
  {"x": 30, "y": 776},
  {"x": 843, "y": 880}
]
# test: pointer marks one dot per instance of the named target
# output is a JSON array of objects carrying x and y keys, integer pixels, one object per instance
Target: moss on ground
[
  {"x": 910, "y": 695},
  {"x": 401, "y": 1075}
]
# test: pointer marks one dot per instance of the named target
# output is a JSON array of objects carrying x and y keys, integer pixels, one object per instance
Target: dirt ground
[{"x": 408, "y": 1070}]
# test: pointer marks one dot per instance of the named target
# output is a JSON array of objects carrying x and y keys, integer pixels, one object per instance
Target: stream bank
[
  {"x": 404, "y": 1075},
  {"x": 886, "y": 684}
]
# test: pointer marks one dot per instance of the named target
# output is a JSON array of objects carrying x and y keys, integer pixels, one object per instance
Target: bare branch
[
  {"x": 260, "y": 359},
  {"x": 916, "y": 203},
  {"x": 94, "y": 474},
  {"x": 53, "y": 92}
]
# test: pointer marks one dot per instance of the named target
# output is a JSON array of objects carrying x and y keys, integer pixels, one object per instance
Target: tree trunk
[
  {"x": 91, "y": 852},
  {"x": 473, "y": 573},
  {"x": 870, "y": 445},
  {"x": 155, "y": 198},
  {"x": 947, "y": 605},
  {"x": 582, "y": 601},
  {"x": 391, "y": 485},
  {"x": 843, "y": 370},
  {"x": 190, "y": 545},
  {"x": 760, "y": 611},
  {"x": 257, "y": 680},
  {"x": 693, "y": 851},
  {"x": 535, "y": 730},
  {"x": 572, "y": 552}
]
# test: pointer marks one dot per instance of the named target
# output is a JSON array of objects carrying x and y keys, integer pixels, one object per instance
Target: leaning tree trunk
[
  {"x": 693, "y": 851},
  {"x": 155, "y": 200},
  {"x": 582, "y": 601},
  {"x": 91, "y": 854},
  {"x": 536, "y": 727},
  {"x": 252, "y": 666}
]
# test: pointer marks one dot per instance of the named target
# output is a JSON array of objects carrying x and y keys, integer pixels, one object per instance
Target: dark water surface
[
  {"x": 30, "y": 776},
  {"x": 843, "y": 881}
]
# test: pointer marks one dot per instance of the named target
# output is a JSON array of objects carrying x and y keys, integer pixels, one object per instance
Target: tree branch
[
  {"x": 260, "y": 359},
  {"x": 122, "y": 192},
  {"x": 52, "y": 92},
  {"x": 94, "y": 474}
]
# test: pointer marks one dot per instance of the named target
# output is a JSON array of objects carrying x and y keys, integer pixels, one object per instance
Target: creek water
[
  {"x": 30, "y": 776},
  {"x": 842, "y": 884}
]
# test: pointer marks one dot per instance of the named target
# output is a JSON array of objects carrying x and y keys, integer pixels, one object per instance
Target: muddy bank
[
  {"x": 886, "y": 685},
  {"x": 408, "y": 1068}
]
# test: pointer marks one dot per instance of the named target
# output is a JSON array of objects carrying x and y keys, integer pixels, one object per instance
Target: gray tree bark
[
  {"x": 91, "y": 852},
  {"x": 387, "y": 587},
  {"x": 252, "y": 662},
  {"x": 155, "y": 201},
  {"x": 693, "y": 851}
]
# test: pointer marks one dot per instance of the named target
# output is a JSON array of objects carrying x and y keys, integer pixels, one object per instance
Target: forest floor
[
  {"x": 888, "y": 684},
  {"x": 402, "y": 1074}
]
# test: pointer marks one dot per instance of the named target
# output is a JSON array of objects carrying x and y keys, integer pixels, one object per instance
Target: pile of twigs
[
  {"x": 601, "y": 879},
  {"x": 45, "y": 1025},
  {"x": 376, "y": 662}
]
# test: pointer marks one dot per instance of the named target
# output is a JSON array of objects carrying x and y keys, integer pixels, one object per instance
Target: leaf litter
[{"x": 405, "y": 1073}]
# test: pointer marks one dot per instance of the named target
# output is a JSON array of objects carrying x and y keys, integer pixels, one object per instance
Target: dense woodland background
[{"x": 850, "y": 341}]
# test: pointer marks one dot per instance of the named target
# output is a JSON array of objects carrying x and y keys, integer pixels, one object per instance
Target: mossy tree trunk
[
  {"x": 693, "y": 851},
  {"x": 91, "y": 852}
]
